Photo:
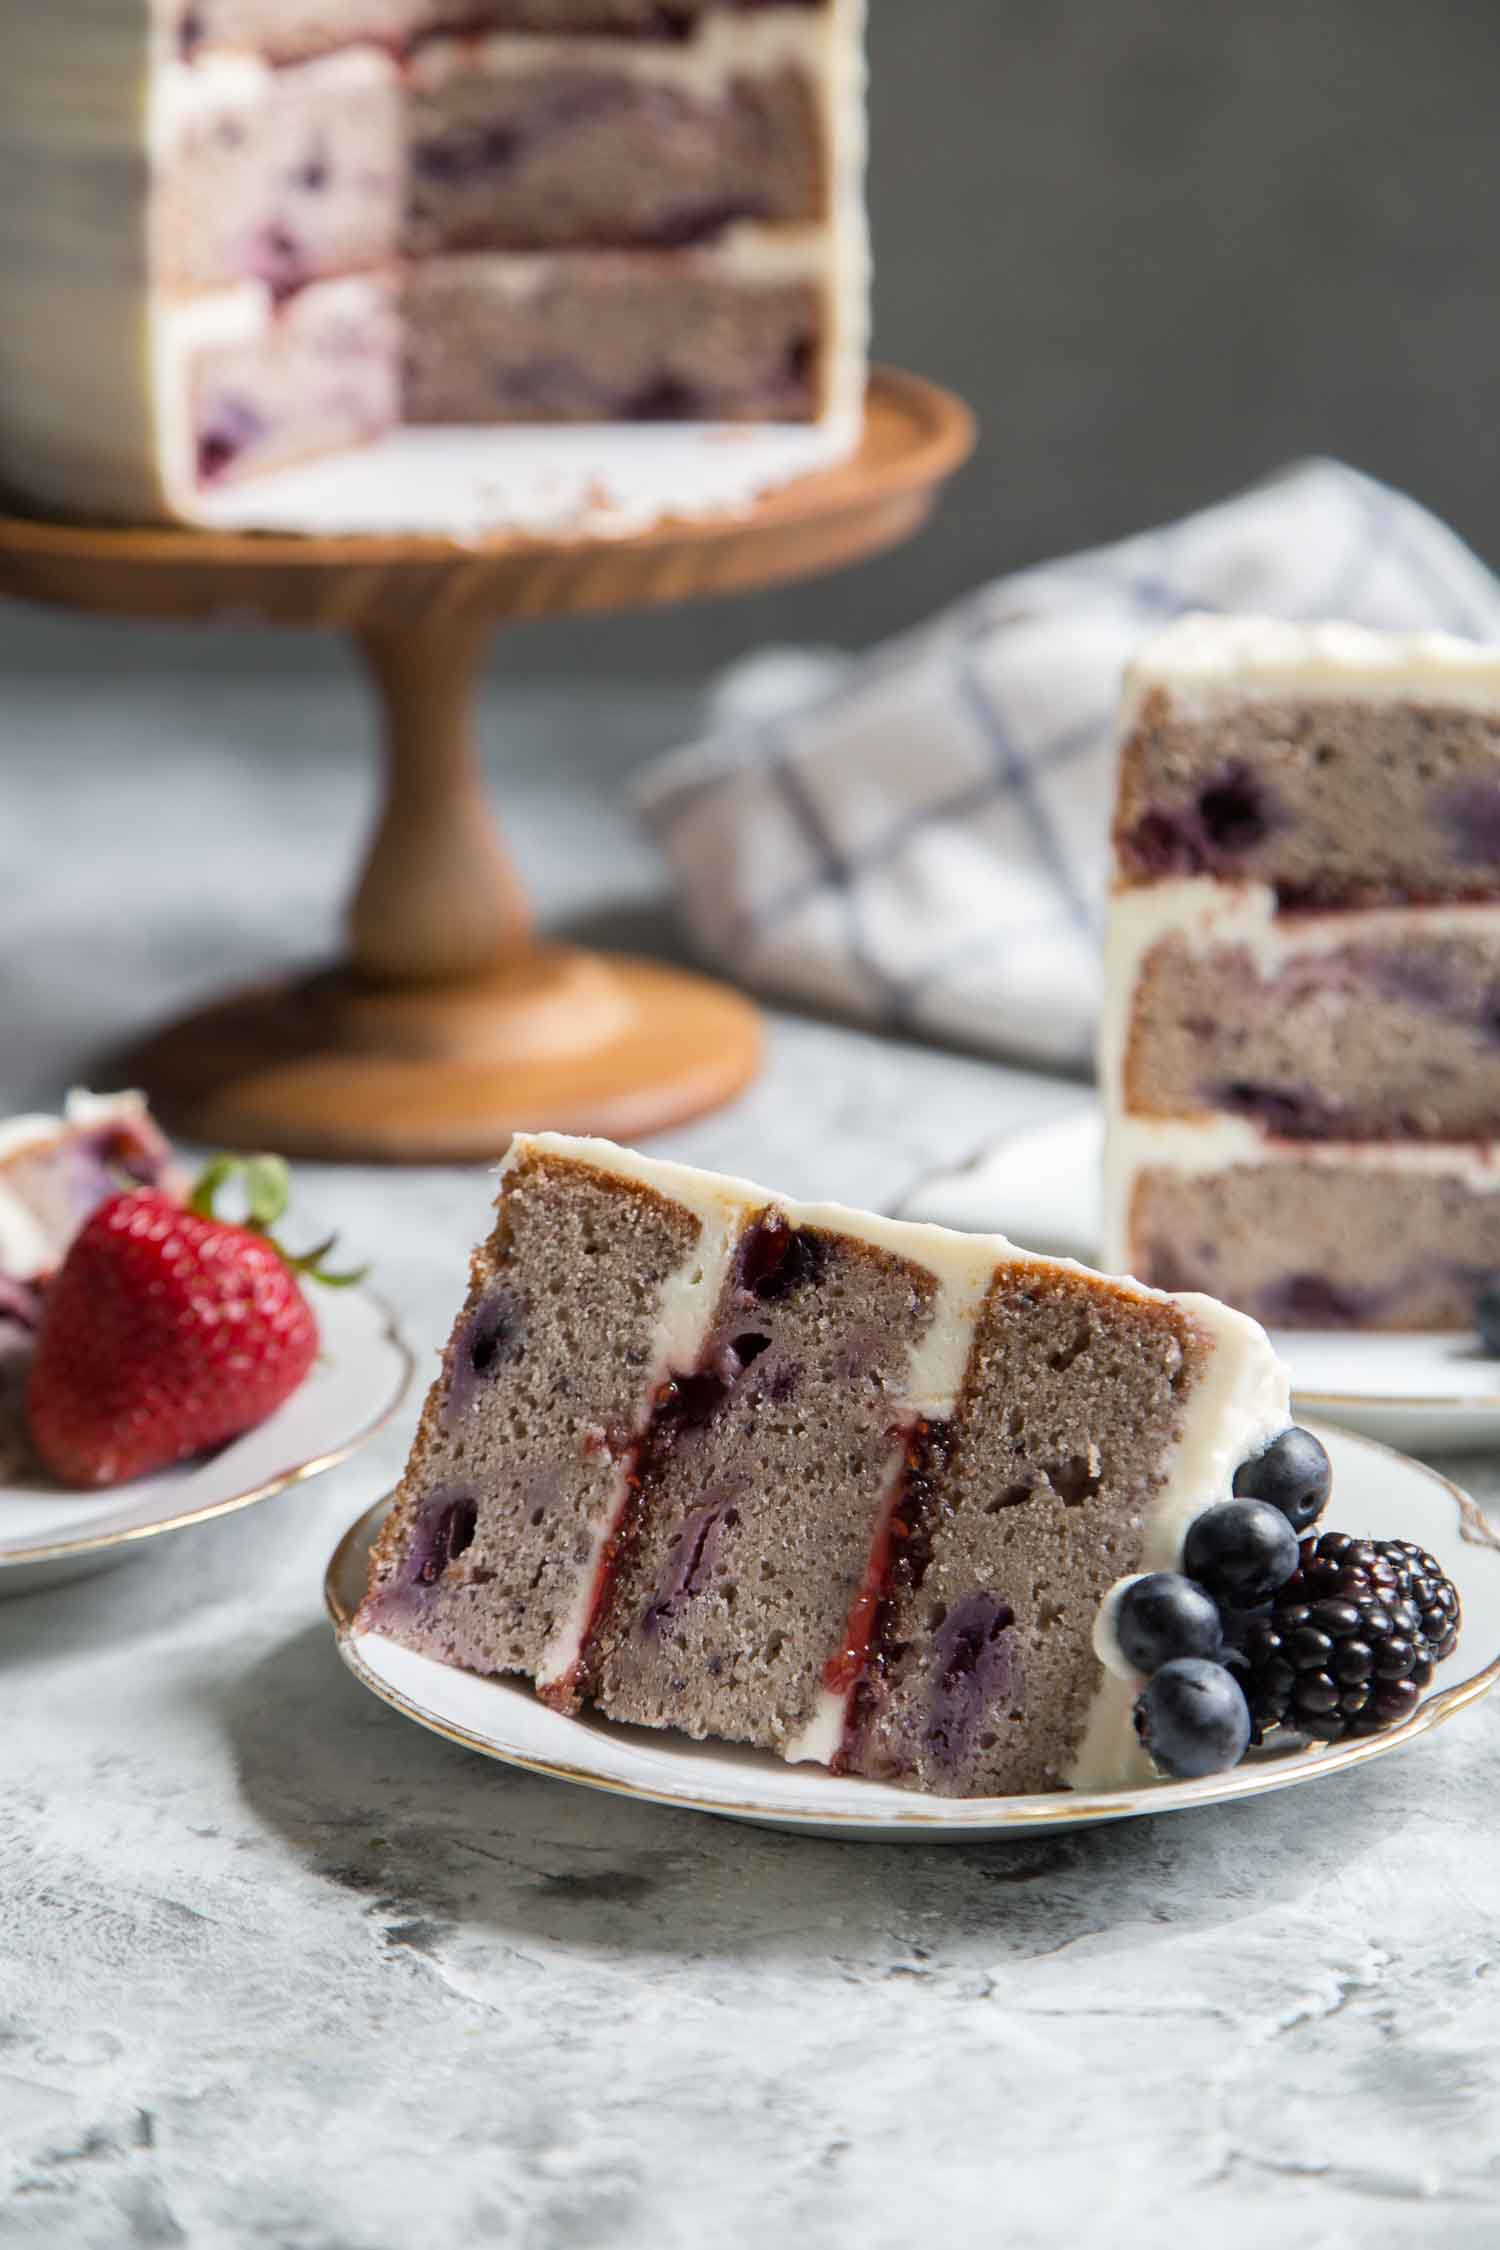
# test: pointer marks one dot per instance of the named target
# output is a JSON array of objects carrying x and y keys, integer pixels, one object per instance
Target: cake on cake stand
[{"x": 450, "y": 1024}]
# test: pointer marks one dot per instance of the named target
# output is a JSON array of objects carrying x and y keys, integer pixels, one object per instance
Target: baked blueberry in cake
[
  {"x": 1301, "y": 1052},
  {"x": 918, "y": 1506},
  {"x": 310, "y": 221}
]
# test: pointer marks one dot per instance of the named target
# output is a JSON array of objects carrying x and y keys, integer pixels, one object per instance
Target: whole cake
[
  {"x": 235, "y": 234},
  {"x": 857, "y": 1491},
  {"x": 1301, "y": 1049}
]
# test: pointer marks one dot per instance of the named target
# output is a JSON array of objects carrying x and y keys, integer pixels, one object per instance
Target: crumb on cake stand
[{"x": 449, "y": 1024}]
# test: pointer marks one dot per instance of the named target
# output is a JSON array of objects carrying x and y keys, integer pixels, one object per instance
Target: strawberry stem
[{"x": 267, "y": 1185}]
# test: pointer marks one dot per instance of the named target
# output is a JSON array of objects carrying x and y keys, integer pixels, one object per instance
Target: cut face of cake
[
  {"x": 849, "y": 1489},
  {"x": 238, "y": 234},
  {"x": 1301, "y": 1045},
  {"x": 55, "y": 1171}
]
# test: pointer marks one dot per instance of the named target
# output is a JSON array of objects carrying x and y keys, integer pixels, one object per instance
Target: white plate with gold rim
[
  {"x": 49, "y": 1534},
  {"x": 1383, "y": 1494},
  {"x": 1437, "y": 1393}
]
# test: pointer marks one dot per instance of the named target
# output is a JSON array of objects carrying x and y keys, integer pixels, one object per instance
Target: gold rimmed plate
[
  {"x": 361, "y": 1375},
  {"x": 1427, "y": 1393},
  {"x": 1384, "y": 1495}
]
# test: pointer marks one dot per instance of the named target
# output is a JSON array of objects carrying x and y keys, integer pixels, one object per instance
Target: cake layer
[
  {"x": 281, "y": 176},
  {"x": 625, "y": 336},
  {"x": 1033, "y": 1501},
  {"x": 1315, "y": 1234},
  {"x": 1339, "y": 767},
  {"x": 539, "y": 143},
  {"x": 1365, "y": 1024},
  {"x": 292, "y": 30},
  {"x": 793, "y": 1475}
]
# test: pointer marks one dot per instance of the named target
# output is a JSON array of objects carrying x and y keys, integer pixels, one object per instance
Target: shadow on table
[{"x": 451, "y": 1852}]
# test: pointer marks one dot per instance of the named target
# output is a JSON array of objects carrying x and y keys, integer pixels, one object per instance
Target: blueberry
[
  {"x": 1163, "y": 1616},
  {"x": 1193, "y": 1719},
  {"x": 1242, "y": 1551},
  {"x": 1294, "y": 1474},
  {"x": 1487, "y": 1316}
]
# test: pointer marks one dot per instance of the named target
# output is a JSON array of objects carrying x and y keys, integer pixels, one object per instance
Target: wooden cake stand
[{"x": 450, "y": 1025}]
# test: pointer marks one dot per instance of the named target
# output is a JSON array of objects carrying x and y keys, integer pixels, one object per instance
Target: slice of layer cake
[
  {"x": 1301, "y": 1048},
  {"x": 237, "y": 234},
  {"x": 850, "y": 1489},
  {"x": 55, "y": 1171}
]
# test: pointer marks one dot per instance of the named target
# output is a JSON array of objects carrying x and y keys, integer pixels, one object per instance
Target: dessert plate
[
  {"x": 48, "y": 1534},
  {"x": 1391, "y": 1498},
  {"x": 1437, "y": 1393}
]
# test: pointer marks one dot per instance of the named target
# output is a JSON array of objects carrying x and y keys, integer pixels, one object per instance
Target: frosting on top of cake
[{"x": 1206, "y": 660}]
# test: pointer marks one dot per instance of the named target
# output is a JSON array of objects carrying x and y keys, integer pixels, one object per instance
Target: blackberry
[
  {"x": 1430, "y": 1591},
  {"x": 1349, "y": 1642}
]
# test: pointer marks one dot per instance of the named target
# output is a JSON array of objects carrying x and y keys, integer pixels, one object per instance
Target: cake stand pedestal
[{"x": 450, "y": 1025}]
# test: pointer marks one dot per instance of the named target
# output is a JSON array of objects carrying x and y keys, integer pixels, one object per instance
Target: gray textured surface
[{"x": 277, "y": 1969}]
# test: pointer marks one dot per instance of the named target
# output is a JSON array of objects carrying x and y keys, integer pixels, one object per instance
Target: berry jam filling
[
  {"x": 684, "y": 1406},
  {"x": 1228, "y": 817},
  {"x": 190, "y": 30},
  {"x": 229, "y": 429},
  {"x": 1470, "y": 813},
  {"x": 775, "y": 1259},
  {"x": 690, "y": 1564},
  {"x": 447, "y": 1531},
  {"x": 899, "y": 1561},
  {"x": 974, "y": 1672}
]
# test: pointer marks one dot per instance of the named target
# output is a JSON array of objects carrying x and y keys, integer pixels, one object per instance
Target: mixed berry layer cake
[
  {"x": 850, "y": 1489},
  {"x": 1301, "y": 1047},
  {"x": 241, "y": 233}
]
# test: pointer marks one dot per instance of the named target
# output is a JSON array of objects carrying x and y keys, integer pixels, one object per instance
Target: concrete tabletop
[{"x": 278, "y": 1969}]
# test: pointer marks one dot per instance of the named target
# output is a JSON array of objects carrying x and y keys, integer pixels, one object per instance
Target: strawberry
[{"x": 168, "y": 1330}]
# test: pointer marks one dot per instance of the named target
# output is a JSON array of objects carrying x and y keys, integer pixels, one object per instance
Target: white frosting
[
  {"x": 1238, "y": 1403},
  {"x": 1204, "y": 662},
  {"x": 94, "y": 364}
]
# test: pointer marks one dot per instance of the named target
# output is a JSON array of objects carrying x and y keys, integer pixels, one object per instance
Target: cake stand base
[
  {"x": 329, "y": 1066},
  {"x": 450, "y": 1025}
]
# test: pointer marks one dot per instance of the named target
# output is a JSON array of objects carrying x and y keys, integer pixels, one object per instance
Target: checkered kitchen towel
[{"x": 918, "y": 838}]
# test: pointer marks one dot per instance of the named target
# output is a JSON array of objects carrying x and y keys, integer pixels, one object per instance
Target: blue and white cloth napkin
[{"x": 918, "y": 838}]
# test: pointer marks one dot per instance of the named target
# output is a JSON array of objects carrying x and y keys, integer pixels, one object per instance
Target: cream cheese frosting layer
[{"x": 1206, "y": 662}]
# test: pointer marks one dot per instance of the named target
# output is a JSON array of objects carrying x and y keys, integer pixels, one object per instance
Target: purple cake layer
[
  {"x": 609, "y": 338},
  {"x": 1394, "y": 1035},
  {"x": 1304, "y": 1244},
  {"x": 1332, "y": 801}
]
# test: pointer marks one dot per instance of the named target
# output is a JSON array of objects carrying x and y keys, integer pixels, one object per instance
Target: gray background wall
[{"x": 1162, "y": 246}]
